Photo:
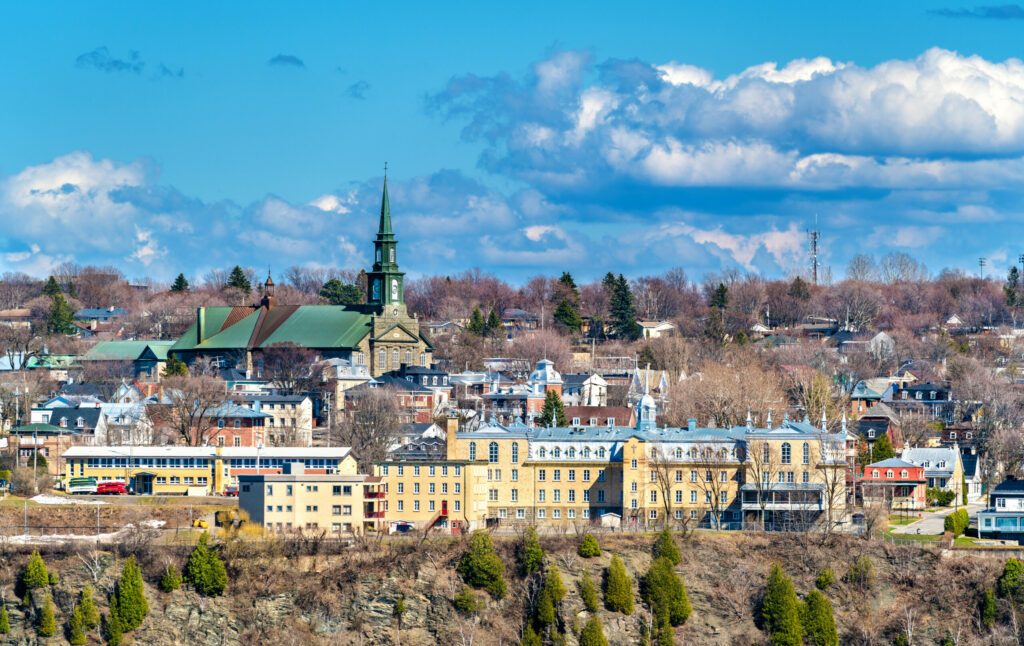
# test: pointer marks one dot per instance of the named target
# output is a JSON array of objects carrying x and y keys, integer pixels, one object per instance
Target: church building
[{"x": 380, "y": 334}]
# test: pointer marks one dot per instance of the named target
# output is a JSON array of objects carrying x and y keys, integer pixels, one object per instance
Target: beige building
[{"x": 290, "y": 421}]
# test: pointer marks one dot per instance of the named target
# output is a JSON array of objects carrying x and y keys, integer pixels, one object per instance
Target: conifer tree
[
  {"x": 780, "y": 610},
  {"x": 130, "y": 597},
  {"x": 175, "y": 367},
  {"x": 665, "y": 593},
  {"x": 530, "y": 637},
  {"x": 799, "y": 290},
  {"x": 531, "y": 554},
  {"x": 35, "y": 574},
  {"x": 568, "y": 316},
  {"x": 988, "y": 608},
  {"x": 5, "y": 620},
  {"x": 553, "y": 584},
  {"x": 593, "y": 633},
  {"x": 589, "y": 547},
  {"x": 204, "y": 571},
  {"x": 87, "y": 607},
  {"x": 47, "y": 626},
  {"x": 76, "y": 628},
  {"x": 665, "y": 547},
  {"x": 621, "y": 309},
  {"x": 618, "y": 590},
  {"x": 239, "y": 280},
  {"x": 493, "y": 326},
  {"x": 60, "y": 318},
  {"x": 553, "y": 411},
  {"x": 819, "y": 624},
  {"x": 1011, "y": 582},
  {"x": 476, "y": 324},
  {"x": 544, "y": 615},
  {"x": 336, "y": 292},
  {"x": 52, "y": 287},
  {"x": 171, "y": 579},
  {"x": 1011, "y": 289},
  {"x": 112, "y": 629},
  {"x": 481, "y": 567},
  {"x": 180, "y": 284},
  {"x": 588, "y": 593}
]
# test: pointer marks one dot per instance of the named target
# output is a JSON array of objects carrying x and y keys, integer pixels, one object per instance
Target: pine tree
[
  {"x": 180, "y": 284},
  {"x": 171, "y": 579},
  {"x": 593, "y": 633},
  {"x": 819, "y": 624},
  {"x": 554, "y": 410},
  {"x": 47, "y": 626},
  {"x": 569, "y": 283},
  {"x": 239, "y": 280},
  {"x": 76, "y": 628},
  {"x": 530, "y": 637},
  {"x": 798, "y": 289},
  {"x": 1012, "y": 288},
  {"x": 466, "y": 602},
  {"x": 130, "y": 596},
  {"x": 588, "y": 593},
  {"x": 481, "y": 567},
  {"x": 476, "y": 323},
  {"x": 544, "y": 614},
  {"x": 665, "y": 547},
  {"x": 112, "y": 629},
  {"x": 336, "y": 292},
  {"x": 780, "y": 610},
  {"x": 52, "y": 287},
  {"x": 589, "y": 547},
  {"x": 35, "y": 574},
  {"x": 568, "y": 316},
  {"x": 204, "y": 571},
  {"x": 5, "y": 621},
  {"x": 720, "y": 297},
  {"x": 1011, "y": 582},
  {"x": 87, "y": 607},
  {"x": 880, "y": 450},
  {"x": 988, "y": 608},
  {"x": 618, "y": 590},
  {"x": 665, "y": 593},
  {"x": 553, "y": 584},
  {"x": 60, "y": 318},
  {"x": 621, "y": 309},
  {"x": 531, "y": 554},
  {"x": 175, "y": 367},
  {"x": 493, "y": 326}
]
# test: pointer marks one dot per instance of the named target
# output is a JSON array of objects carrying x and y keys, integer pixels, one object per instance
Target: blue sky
[{"x": 522, "y": 138}]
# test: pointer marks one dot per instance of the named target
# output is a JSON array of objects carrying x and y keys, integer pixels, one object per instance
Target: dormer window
[
  {"x": 888, "y": 474},
  {"x": 611, "y": 422},
  {"x": 903, "y": 474},
  {"x": 874, "y": 473},
  {"x": 593, "y": 421},
  {"x": 575, "y": 421},
  {"x": 933, "y": 394},
  {"x": 63, "y": 422},
  {"x": 543, "y": 452},
  {"x": 927, "y": 464},
  {"x": 952, "y": 435},
  {"x": 871, "y": 433},
  {"x": 80, "y": 423}
]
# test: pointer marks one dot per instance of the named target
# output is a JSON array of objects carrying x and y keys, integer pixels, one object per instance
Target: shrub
[
  {"x": 665, "y": 547},
  {"x": 171, "y": 579},
  {"x": 47, "y": 626},
  {"x": 466, "y": 602},
  {"x": 52, "y": 578},
  {"x": 5, "y": 621},
  {"x": 204, "y": 570},
  {"x": 618, "y": 589},
  {"x": 112, "y": 630},
  {"x": 780, "y": 610},
  {"x": 481, "y": 567},
  {"x": 87, "y": 607},
  {"x": 665, "y": 593},
  {"x": 531, "y": 554},
  {"x": 530, "y": 637},
  {"x": 819, "y": 623},
  {"x": 35, "y": 575},
  {"x": 593, "y": 633},
  {"x": 940, "y": 497},
  {"x": 861, "y": 572},
  {"x": 1011, "y": 582},
  {"x": 588, "y": 593},
  {"x": 76, "y": 628},
  {"x": 826, "y": 579},
  {"x": 130, "y": 597},
  {"x": 589, "y": 547},
  {"x": 957, "y": 522},
  {"x": 544, "y": 614},
  {"x": 988, "y": 608},
  {"x": 553, "y": 584}
]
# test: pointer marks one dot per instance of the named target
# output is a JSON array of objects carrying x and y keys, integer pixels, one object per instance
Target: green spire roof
[{"x": 385, "y": 213}]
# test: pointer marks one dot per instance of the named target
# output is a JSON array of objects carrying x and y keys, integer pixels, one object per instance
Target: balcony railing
[{"x": 374, "y": 495}]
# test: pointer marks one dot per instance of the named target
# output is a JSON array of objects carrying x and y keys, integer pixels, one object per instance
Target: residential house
[
  {"x": 971, "y": 461},
  {"x": 928, "y": 399},
  {"x": 894, "y": 484},
  {"x": 656, "y": 329},
  {"x": 146, "y": 358},
  {"x": 943, "y": 467},
  {"x": 48, "y": 440},
  {"x": 1004, "y": 516},
  {"x": 19, "y": 318},
  {"x": 289, "y": 420},
  {"x": 880, "y": 420},
  {"x": 100, "y": 314},
  {"x": 607, "y": 416},
  {"x": 517, "y": 320},
  {"x": 584, "y": 389}
]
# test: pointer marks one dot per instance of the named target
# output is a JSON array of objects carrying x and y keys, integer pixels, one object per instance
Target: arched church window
[{"x": 394, "y": 289}]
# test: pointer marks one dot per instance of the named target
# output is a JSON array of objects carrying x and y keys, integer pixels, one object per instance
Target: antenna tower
[{"x": 813, "y": 236}]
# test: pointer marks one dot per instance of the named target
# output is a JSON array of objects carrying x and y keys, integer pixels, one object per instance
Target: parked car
[
  {"x": 231, "y": 491},
  {"x": 112, "y": 489}
]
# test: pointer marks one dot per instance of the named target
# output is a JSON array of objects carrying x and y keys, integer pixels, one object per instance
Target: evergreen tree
[
  {"x": 493, "y": 326},
  {"x": 60, "y": 318},
  {"x": 336, "y": 292},
  {"x": 530, "y": 637},
  {"x": 175, "y": 367},
  {"x": 621, "y": 309},
  {"x": 1012, "y": 288},
  {"x": 171, "y": 579},
  {"x": 589, "y": 547},
  {"x": 819, "y": 624},
  {"x": 87, "y": 607},
  {"x": 52, "y": 577},
  {"x": 567, "y": 281},
  {"x": 47, "y": 626},
  {"x": 239, "y": 280},
  {"x": 618, "y": 588},
  {"x": 35, "y": 574},
  {"x": 665, "y": 547},
  {"x": 593, "y": 633},
  {"x": 531, "y": 554},
  {"x": 798, "y": 289},
  {"x": 553, "y": 584},
  {"x": 588, "y": 593},
  {"x": 205, "y": 571},
  {"x": 568, "y": 316},
  {"x": 76, "y": 628},
  {"x": 720, "y": 297},
  {"x": 5, "y": 620},
  {"x": 544, "y": 615},
  {"x": 825, "y": 579},
  {"x": 988, "y": 608},
  {"x": 466, "y": 602},
  {"x": 112, "y": 630},
  {"x": 180, "y": 284},
  {"x": 1011, "y": 582},
  {"x": 665, "y": 593},
  {"x": 880, "y": 450},
  {"x": 553, "y": 412},
  {"x": 481, "y": 567},
  {"x": 130, "y": 597},
  {"x": 780, "y": 610},
  {"x": 52, "y": 288},
  {"x": 476, "y": 323}
]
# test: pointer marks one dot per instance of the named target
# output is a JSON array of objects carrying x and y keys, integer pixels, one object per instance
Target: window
[
  {"x": 557, "y": 495},
  {"x": 632, "y": 504},
  {"x": 394, "y": 358},
  {"x": 708, "y": 477},
  {"x": 903, "y": 474},
  {"x": 1001, "y": 503},
  {"x": 786, "y": 453},
  {"x": 444, "y": 487},
  {"x": 807, "y": 453},
  {"x": 236, "y": 440},
  {"x": 431, "y": 470},
  {"x": 571, "y": 453},
  {"x": 515, "y": 475},
  {"x": 415, "y": 487},
  {"x": 572, "y": 475},
  {"x": 541, "y": 495},
  {"x": 723, "y": 476},
  {"x": 401, "y": 487},
  {"x": 401, "y": 469},
  {"x": 952, "y": 435},
  {"x": 693, "y": 514},
  {"x": 515, "y": 452},
  {"x": 556, "y": 475},
  {"x": 458, "y": 487},
  {"x": 515, "y": 495},
  {"x": 888, "y": 474},
  {"x": 520, "y": 513},
  {"x": 611, "y": 422},
  {"x": 472, "y": 450},
  {"x": 632, "y": 463},
  {"x": 492, "y": 452},
  {"x": 541, "y": 513},
  {"x": 601, "y": 453},
  {"x": 586, "y": 475},
  {"x": 542, "y": 474},
  {"x": 632, "y": 486},
  {"x": 458, "y": 505},
  {"x": 654, "y": 476},
  {"x": 679, "y": 453},
  {"x": 586, "y": 495},
  {"x": 765, "y": 453},
  {"x": 871, "y": 433},
  {"x": 335, "y": 510},
  {"x": 679, "y": 497},
  {"x": 415, "y": 505},
  {"x": 654, "y": 496},
  {"x": 585, "y": 453},
  {"x": 556, "y": 453},
  {"x": 693, "y": 476},
  {"x": 572, "y": 513},
  {"x": 653, "y": 515},
  {"x": 431, "y": 489},
  {"x": 542, "y": 453},
  {"x": 416, "y": 471},
  {"x": 600, "y": 495},
  {"x": 575, "y": 421},
  {"x": 723, "y": 497},
  {"x": 693, "y": 497}
]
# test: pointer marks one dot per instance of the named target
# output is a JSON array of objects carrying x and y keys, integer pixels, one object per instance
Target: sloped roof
[
  {"x": 127, "y": 350},
  {"x": 892, "y": 463}
]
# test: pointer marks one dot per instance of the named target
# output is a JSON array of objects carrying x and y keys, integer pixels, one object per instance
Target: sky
[{"x": 521, "y": 138}]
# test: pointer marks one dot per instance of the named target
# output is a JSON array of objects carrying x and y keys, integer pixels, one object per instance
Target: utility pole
[
  {"x": 981, "y": 267},
  {"x": 814, "y": 236}
]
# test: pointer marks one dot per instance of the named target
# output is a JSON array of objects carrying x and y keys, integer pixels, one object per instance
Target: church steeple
[{"x": 385, "y": 283}]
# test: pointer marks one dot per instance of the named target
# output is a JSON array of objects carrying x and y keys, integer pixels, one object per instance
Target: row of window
[
  {"x": 336, "y": 490},
  {"x": 556, "y": 495},
  {"x": 336, "y": 510},
  {"x": 396, "y": 362},
  {"x": 494, "y": 452},
  {"x": 416, "y": 470},
  {"x": 556, "y": 475},
  {"x": 431, "y": 488},
  {"x": 431, "y": 505}
]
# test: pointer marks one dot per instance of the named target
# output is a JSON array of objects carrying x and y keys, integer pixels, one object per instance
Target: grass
[
  {"x": 896, "y": 519},
  {"x": 913, "y": 538}
]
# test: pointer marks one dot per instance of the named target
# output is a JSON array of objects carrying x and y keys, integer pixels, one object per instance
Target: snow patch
[{"x": 49, "y": 499}]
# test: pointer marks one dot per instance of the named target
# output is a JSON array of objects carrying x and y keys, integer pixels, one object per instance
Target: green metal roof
[
  {"x": 309, "y": 326},
  {"x": 127, "y": 350}
]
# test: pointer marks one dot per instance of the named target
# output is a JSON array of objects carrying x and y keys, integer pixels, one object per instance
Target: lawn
[
  {"x": 896, "y": 519},
  {"x": 913, "y": 538}
]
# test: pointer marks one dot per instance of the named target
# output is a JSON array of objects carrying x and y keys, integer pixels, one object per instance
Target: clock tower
[{"x": 385, "y": 284}]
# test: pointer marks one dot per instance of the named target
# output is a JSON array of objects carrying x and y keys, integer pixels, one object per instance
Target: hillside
[{"x": 302, "y": 593}]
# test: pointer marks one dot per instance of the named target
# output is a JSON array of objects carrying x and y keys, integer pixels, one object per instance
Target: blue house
[{"x": 1004, "y": 517}]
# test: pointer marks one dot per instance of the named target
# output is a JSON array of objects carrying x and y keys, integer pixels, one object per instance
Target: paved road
[{"x": 932, "y": 522}]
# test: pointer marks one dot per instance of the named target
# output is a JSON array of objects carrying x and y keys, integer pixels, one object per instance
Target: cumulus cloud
[{"x": 286, "y": 60}]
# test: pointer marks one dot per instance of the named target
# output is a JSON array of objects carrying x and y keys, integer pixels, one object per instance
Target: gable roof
[
  {"x": 893, "y": 463},
  {"x": 154, "y": 350}
]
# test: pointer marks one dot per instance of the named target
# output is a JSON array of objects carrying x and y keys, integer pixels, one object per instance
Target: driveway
[{"x": 933, "y": 522}]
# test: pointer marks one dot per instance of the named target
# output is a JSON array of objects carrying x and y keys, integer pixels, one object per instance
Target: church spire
[
  {"x": 384, "y": 229},
  {"x": 385, "y": 282}
]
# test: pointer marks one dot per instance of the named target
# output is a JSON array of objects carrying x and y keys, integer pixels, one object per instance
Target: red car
[
  {"x": 231, "y": 491},
  {"x": 112, "y": 488}
]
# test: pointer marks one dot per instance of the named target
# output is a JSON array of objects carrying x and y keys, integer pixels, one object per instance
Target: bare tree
[
  {"x": 372, "y": 424},
  {"x": 763, "y": 464},
  {"x": 833, "y": 469},
  {"x": 713, "y": 461},
  {"x": 288, "y": 367},
  {"x": 190, "y": 413},
  {"x": 723, "y": 395}
]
